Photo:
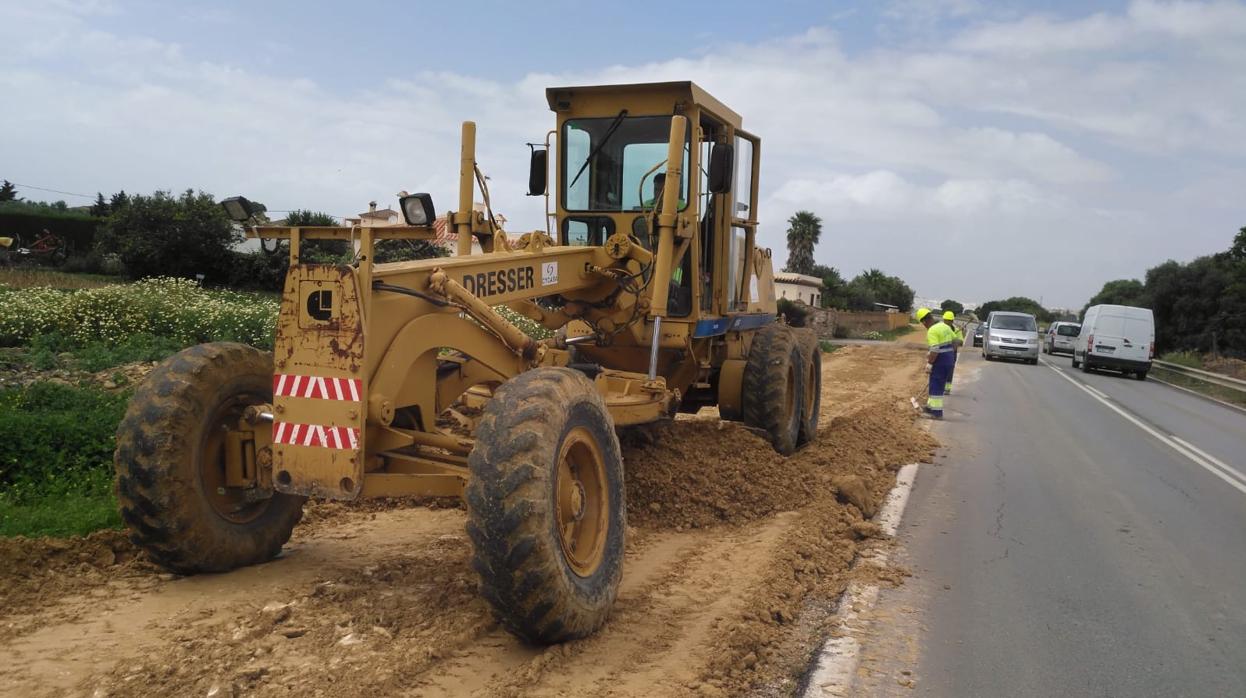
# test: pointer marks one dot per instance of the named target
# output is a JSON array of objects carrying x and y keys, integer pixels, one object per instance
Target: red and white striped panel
[
  {"x": 317, "y": 387},
  {"x": 315, "y": 435}
]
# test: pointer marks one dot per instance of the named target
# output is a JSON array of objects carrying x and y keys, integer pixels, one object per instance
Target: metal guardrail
[{"x": 1206, "y": 376}]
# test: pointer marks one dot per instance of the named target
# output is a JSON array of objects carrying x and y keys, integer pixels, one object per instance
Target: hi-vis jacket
[{"x": 941, "y": 340}]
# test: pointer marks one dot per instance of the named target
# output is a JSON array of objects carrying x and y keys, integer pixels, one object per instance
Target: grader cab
[{"x": 659, "y": 300}]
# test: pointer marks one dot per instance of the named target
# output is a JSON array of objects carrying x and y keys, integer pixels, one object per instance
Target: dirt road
[{"x": 735, "y": 556}]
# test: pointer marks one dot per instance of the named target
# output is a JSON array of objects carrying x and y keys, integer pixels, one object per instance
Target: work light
[
  {"x": 418, "y": 209},
  {"x": 239, "y": 209}
]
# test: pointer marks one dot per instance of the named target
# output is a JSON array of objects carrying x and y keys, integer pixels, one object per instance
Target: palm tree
[{"x": 803, "y": 231}]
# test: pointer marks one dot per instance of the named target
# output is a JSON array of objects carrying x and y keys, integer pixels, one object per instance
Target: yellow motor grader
[{"x": 658, "y": 299}]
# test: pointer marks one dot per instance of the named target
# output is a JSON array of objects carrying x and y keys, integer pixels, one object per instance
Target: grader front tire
[
  {"x": 546, "y": 510},
  {"x": 773, "y": 392},
  {"x": 169, "y": 464}
]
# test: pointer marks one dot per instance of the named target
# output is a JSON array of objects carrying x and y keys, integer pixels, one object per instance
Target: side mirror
[
  {"x": 538, "y": 169},
  {"x": 418, "y": 209},
  {"x": 240, "y": 210},
  {"x": 722, "y": 168}
]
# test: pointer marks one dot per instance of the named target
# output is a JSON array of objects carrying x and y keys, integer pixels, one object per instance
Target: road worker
[
  {"x": 949, "y": 318},
  {"x": 941, "y": 341}
]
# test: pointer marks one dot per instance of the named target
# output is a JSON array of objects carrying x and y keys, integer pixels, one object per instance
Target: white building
[{"x": 799, "y": 288}]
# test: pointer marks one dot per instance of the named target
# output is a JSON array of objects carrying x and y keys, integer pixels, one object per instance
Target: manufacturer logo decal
[
  {"x": 320, "y": 305},
  {"x": 549, "y": 273}
]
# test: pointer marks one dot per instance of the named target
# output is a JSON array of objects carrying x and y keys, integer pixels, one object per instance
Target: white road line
[
  {"x": 1097, "y": 392},
  {"x": 839, "y": 657},
  {"x": 1234, "y": 472},
  {"x": 1172, "y": 442}
]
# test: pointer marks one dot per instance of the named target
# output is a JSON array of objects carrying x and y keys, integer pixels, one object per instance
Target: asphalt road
[{"x": 1066, "y": 544}]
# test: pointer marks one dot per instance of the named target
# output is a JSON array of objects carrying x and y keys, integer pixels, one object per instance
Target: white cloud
[{"x": 883, "y": 195}]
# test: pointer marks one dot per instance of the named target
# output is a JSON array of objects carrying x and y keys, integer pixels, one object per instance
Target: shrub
[
  {"x": 163, "y": 235},
  {"x": 82, "y": 421},
  {"x": 56, "y": 445},
  {"x": 796, "y": 313}
]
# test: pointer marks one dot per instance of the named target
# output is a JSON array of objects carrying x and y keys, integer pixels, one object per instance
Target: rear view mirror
[
  {"x": 537, "y": 173},
  {"x": 722, "y": 167}
]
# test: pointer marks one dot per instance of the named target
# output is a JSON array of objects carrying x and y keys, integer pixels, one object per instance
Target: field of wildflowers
[{"x": 175, "y": 309}]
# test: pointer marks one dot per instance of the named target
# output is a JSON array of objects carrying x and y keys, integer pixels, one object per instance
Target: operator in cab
[
  {"x": 949, "y": 318},
  {"x": 940, "y": 358}
]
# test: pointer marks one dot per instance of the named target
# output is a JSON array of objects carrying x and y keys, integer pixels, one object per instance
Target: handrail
[{"x": 1198, "y": 374}]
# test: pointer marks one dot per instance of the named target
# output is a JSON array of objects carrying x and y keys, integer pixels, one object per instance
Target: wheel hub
[
  {"x": 583, "y": 502},
  {"x": 577, "y": 500}
]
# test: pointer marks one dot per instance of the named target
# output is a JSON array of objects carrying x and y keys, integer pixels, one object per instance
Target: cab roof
[{"x": 561, "y": 98}]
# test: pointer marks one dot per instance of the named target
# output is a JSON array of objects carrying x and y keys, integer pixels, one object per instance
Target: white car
[
  {"x": 1118, "y": 337},
  {"x": 1061, "y": 337}
]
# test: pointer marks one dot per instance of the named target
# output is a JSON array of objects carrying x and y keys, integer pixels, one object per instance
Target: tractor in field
[{"x": 660, "y": 301}]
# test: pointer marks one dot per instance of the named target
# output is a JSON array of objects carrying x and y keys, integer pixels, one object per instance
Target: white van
[{"x": 1118, "y": 337}]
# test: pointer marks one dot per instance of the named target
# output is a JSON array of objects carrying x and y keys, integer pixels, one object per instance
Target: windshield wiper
[{"x": 614, "y": 125}]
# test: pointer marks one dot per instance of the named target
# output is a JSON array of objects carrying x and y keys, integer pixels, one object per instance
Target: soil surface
[{"x": 734, "y": 557}]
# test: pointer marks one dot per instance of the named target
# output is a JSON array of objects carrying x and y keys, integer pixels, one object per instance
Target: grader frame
[
  {"x": 659, "y": 304},
  {"x": 412, "y": 337}
]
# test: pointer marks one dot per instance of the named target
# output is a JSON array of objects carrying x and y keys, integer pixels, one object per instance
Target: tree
[
  {"x": 1198, "y": 305},
  {"x": 834, "y": 288},
  {"x": 118, "y": 200},
  {"x": 952, "y": 305},
  {"x": 407, "y": 250},
  {"x": 873, "y": 286},
  {"x": 301, "y": 217},
  {"x": 163, "y": 235},
  {"x": 8, "y": 192},
  {"x": 803, "y": 232},
  {"x": 99, "y": 209},
  {"x": 319, "y": 251},
  {"x": 1120, "y": 292},
  {"x": 1237, "y": 251}
]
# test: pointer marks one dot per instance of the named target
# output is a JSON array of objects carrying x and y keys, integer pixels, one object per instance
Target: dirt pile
[
  {"x": 1226, "y": 365},
  {"x": 693, "y": 474}
]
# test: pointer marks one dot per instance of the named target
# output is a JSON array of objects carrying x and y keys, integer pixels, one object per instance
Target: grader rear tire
[
  {"x": 170, "y": 469},
  {"x": 774, "y": 379},
  {"x": 811, "y": 405},
  {"x": 545, "y": 503}
]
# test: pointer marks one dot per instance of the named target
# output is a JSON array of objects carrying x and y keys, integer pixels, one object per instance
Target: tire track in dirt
[{"x": 729, "y": 545}]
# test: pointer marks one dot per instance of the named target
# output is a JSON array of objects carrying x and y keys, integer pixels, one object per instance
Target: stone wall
[{"x": 825, "y": 320}]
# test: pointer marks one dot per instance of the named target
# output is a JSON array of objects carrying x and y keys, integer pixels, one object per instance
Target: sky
[{"x": 976, "y": 149}]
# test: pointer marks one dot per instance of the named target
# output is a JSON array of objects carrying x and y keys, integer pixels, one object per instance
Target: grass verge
[{"x": 1219, "y": 392}]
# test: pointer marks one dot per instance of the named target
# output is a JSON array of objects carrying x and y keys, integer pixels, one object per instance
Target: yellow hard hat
[
  {"x": 949, "y": 315},
  {"x": 922, "y": 313}
]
